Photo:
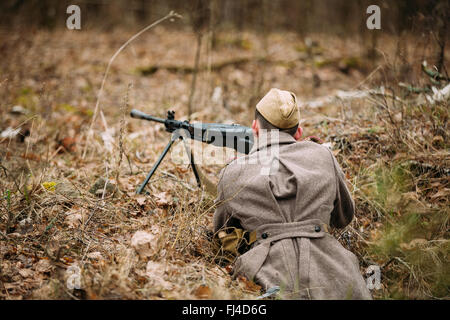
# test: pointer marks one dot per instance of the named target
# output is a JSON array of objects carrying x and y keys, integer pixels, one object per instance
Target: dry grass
[{"x": 60, "y": 209}]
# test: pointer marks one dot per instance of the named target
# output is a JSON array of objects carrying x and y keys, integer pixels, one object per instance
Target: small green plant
[{"x": 413, "y": 245}]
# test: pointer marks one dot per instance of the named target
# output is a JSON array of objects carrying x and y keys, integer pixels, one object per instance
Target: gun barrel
[{"x": 141, "y": 115}]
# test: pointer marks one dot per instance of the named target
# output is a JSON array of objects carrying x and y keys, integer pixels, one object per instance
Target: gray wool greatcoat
[{"x": 289, "y": 192}]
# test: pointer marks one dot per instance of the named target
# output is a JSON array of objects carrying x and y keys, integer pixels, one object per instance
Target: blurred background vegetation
[
  {"x": 335, "y": 17},
  {"x": 318, "y": 16}
]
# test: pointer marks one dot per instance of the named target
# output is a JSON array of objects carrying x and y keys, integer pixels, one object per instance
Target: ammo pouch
[{"x": 231, "y": 242}]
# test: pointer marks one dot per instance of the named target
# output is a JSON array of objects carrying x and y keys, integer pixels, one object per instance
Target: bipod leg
[
  {"x": 191, "y": 159},
  {"x": 156, "y": 165}
]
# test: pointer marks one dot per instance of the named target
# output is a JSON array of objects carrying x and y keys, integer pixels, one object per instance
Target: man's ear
[
  {"x": 299, "y": 133},
  {"x": 255, "y": 128}
]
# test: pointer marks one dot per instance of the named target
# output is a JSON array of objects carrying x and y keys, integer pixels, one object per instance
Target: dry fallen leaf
[
  {"x": 26, "y": 273},
  {"x": 95, "y": 255},
  {"x": 128, "y": 184},
  {"x": 67, "y": 144},
  {"x": 144, "y": 243},
  {"x": 398, "y": 117},
  {"x": 9, "y": 133},
  {"x": 202, "y": 292},
  {"x": 163, "y": 199},
  {"x": 43, "y": 266},
  {"x": 229, "y": 269},
  {"x": 155, "y": 272},
  {"x": 73, "y": 220},
  {"x": 248, "y": 285},
  {"x": 141, "y": 200},
  {"x": 336, "y": 152},
  {"x": 76, "y": 216},
  {"x": 31, "y": 156}
]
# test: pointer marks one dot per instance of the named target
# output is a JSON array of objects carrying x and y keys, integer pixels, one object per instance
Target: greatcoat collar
[{"x": 267, "y": 138}]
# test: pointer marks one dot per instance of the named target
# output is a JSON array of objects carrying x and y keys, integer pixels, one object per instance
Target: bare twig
[
  {"x": 194, "y": 76},
  {"x": 122, "y": 131},
  {"x": 171, "y": 15}
]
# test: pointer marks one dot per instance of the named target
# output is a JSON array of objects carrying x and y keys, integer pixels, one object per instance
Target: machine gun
[{"x": 233, "y": 136}]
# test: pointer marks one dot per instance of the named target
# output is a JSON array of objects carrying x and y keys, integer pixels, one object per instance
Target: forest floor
[{"x": 68, "y": 207}]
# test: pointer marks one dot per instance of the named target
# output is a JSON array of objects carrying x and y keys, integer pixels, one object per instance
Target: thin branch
[
  {"x": 171, "y": 15},
  {"x": 194, "y": 76}
]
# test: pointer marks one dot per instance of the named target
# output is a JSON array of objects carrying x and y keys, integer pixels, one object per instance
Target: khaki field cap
[{"x": 280, "y": 108}]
